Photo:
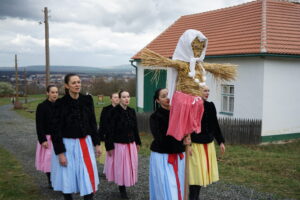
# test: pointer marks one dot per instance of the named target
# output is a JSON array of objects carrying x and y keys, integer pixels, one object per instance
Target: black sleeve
[
  {"x": 109, "y": 143},
  {"x": 136, "y": 130},
  {"x": 217, "y": 132},
  {"x": 58, "y": 122},
  {"x": 40, "y": 123},
  {"x": 154, "y": 127},
  {"x": 93, "y": 123},
  {"x": 102, "y": 123}
]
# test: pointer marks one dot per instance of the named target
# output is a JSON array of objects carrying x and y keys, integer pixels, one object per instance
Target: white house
[{"x": 263, "y": 38}]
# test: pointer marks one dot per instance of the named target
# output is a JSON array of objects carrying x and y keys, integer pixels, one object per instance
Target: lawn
[
  {"x": 14, "y": 183},
  {"x": 273, "y": 168},
  {"x": 4, "y": 101}
]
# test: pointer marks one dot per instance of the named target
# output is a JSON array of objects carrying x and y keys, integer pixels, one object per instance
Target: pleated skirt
[
  {"x": 81, "y": 174},
  {"x": 162, "y": 179},
  {"x": 43, "y": 156},
  {"x": 185, "y": 115},
  {"x": 203, "y": 166},
  {"x": 122, "y": 166}
]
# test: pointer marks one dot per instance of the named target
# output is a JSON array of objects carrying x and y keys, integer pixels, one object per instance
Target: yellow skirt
[{"x": 203, "y": 166}]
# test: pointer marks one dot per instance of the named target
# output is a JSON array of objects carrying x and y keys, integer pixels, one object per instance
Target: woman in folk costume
[
  {"x": 44, "y": 128},
  {"x": 74, "y": 167},
  {"x": 166, "y": 177},
  {"x": 122, "y": 144},
  {"x": 187, "y": 79},
  {"x": 203, "y": 161}
]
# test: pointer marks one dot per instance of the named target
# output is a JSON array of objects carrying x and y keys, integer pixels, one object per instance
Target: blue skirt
[
  {"x": 162, "y": 179},
  {"x": 81, "y": 174}
]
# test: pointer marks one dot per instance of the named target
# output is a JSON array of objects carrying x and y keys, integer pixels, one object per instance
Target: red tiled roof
[{"x": 262, "y": 26}]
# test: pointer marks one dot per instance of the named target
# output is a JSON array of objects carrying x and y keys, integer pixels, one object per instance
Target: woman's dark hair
[
  {"x": 111, "y": 96},
  {"x": 156, "y": 97},
  {"x": 121, "y": 91},
  {"x": 49, "y": 87},
  {"x": 67, "y": 79}
]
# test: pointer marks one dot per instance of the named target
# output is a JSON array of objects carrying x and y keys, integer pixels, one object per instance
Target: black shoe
[
  {"x": 50, "y": 186},
  {"x": 68, "y": 196},
  {"x": 123, "y": 192},
  {"x": 194, "y": 192},
  {"x": 88, "y": 197}
]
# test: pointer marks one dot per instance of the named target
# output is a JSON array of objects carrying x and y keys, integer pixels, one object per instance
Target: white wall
[
  {"x": 248, "y": 87},
  {"x": 281, "y": 99},
  {"x": 140, "y": 86}
]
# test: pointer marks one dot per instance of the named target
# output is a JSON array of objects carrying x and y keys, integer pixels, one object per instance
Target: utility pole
[
  {"x": 47, "y": 70},
  {"x": 25, "y": 85},
  {"x": 17, "y": 105}
]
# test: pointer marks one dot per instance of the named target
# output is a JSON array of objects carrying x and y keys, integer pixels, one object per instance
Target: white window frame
[{"x": 227, "y": 92}]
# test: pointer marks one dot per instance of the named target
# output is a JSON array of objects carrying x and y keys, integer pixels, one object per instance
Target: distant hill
[{"x": 75, "y": 69}]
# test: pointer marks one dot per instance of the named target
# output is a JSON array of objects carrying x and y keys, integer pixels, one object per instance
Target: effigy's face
[{"x": 197, "y": 47}]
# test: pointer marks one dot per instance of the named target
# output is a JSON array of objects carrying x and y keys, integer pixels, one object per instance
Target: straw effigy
[{"x": 186, "y": 84}]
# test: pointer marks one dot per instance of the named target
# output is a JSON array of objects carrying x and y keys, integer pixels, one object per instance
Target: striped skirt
[
  {"x": 122, "y": 166},
  {"x": 162, "y": 177},
  {"x": 81, "y": 174},
  {"x": 43, "y": 156},
  {"x": 203, "y": 166}
]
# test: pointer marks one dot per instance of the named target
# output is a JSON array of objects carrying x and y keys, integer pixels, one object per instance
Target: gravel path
[{"x": 18, "y": 136}]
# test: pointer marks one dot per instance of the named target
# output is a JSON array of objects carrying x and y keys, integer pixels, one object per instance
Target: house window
[{"x": 227, "y": 102}]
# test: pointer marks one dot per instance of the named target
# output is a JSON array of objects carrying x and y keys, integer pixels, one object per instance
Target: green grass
[
  {"x": 273, "y": 168},
  {"x": 4, "y": 101},
  {"x": 14, "y": 183},
  {"x": 31, "y": 106}
]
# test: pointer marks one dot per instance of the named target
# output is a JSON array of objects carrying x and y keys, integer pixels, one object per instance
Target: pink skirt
[
  {"x": 185, "y": 115},
  {"x": 122, "y": 166},
  {"x": 43, "y": 156}
]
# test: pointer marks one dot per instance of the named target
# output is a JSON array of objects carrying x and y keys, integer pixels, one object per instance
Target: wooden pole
[
  {"x": 25, "y": 85},
  {"x": 186, "y": 173},
  {"x": 17, "y": 104},
  {"x": 17, "y": 82},
  {"x": 47, "y": 56}
]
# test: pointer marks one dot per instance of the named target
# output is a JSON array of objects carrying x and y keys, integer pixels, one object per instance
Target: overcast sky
[{"x": 89, "y": 32}]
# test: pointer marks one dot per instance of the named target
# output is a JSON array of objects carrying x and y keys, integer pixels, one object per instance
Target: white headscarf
[{"x": 184, "y": 52}]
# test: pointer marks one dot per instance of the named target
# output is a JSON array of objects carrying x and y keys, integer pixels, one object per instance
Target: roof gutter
[
  {"x": 255, "y": 55},
  {"x": 242, "y": 55}
]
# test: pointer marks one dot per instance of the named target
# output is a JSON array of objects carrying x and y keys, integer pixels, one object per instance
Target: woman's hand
[
  {"x": 62, "y": 159},
  {"x": 98, "y": 151},
  {"x": 45, "y": 145},
  {"x": 138, "y": 147},
  {"x": 187, "y": 140},
  {"x": 222, "y": 148}
]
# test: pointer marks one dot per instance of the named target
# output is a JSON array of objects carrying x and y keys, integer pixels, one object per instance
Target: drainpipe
[{"x": 136, "y": 84}]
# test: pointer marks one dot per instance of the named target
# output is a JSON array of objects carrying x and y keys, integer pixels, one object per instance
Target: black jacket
[
  {"x": 162, "y": 143},
  {"x": 75, "y": 118},
  {"x": 104, "y": 121},
  {"x": 122, "y": 127},
  {"x": 210, "y": 128},
  {"x": 44, "y": 120}
]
